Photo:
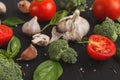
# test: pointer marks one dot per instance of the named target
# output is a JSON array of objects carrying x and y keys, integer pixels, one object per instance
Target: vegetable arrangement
[{"x": 68, "y": 25}]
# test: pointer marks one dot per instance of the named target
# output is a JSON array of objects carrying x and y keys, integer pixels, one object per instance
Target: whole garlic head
[
  {"x": 31, "y": 27},
  {"x": 2, "y": 8},
  {"x": 23, "y": 6},
  {"x": 73, "y": 27}
]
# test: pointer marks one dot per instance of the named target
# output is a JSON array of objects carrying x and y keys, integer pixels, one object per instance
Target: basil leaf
[
  {"x": 56, "y": 18},
  {"x": 14, "y": 46},
  {"x": 13, "y": 21},
  {"x": 48, "y": 70}
]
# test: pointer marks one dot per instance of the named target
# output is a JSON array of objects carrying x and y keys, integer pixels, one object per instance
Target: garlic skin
[
  {"x": 2, "y": 8},
  {"x": 55, "y": 35},
  {"x": 40, "y": 39},
  {"x": 29, "y": 54},
  {"x": 23, "y": 6},
  {"x": 73, "y": 27},
  {"x": 31, "y": 27},
  {"x": 44, "y": 40}
]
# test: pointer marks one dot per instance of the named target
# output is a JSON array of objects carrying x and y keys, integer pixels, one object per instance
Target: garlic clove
[
  {"x": 64, "y": 24},
  {"x": 28, "y": 54},
  {"x": 2, "y": 8},
  {"x": 31, "y": 27},
  {"x": 41, "y": 39},
  {"x": 23, "y": 6},
  {"x": 55, "y": 35}
]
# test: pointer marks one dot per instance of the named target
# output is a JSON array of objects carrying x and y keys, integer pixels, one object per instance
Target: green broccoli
[
  {"x": 60, "y": 49},
  {"x": 69, "y": 56},
  {"x": 108, "y": 28},
  {"x": 9, "y": 70}
]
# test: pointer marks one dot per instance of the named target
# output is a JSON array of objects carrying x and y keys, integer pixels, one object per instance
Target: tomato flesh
[
  {"x": 5, "y": 34},
  {"x": 100, "y": 47}
]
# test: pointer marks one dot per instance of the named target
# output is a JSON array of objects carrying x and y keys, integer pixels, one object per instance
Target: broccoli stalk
[
  {"x": 60, "y": 49},
  {"x": 108, "y": 28}
]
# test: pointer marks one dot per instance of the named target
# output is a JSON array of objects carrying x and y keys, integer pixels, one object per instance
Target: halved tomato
[
  {"x": 5, "y": 34},
  {"x": 100, "y": 47}
]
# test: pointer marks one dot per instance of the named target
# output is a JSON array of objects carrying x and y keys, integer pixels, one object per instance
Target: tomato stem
[
  {"x": 45, "y": 27},
  {"x": 83, "y": 42},
  {"x": 38, "y": 0}
]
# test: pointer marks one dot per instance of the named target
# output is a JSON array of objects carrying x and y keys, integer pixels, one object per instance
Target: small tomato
[
  {"x": 100, "y": 47},
  {"x": 106, "y": 8},
  {"x": 43, "y": 9},
  {"x": 5, "y": 34}
]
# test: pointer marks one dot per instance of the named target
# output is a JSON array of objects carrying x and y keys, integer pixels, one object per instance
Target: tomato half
[
  {"x": 106, "y": 8},
  {"x": 5, "y": 34},
  {"x": 43, "y": 9},
  {"x": 100, "y": 47}
]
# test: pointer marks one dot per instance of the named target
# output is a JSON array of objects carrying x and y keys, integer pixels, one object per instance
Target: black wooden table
[{"x": 84, "y": 69}]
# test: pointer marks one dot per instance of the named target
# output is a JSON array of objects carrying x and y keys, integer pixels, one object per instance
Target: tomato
[
  {"x": 106, "y": 8},
  {"x": 100, "y": 47},
  {"x": 43, "y": 9},
  {"x": 5, "y": 34}
]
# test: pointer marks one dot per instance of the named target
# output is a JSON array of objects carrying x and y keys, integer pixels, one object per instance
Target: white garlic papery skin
[
  {"x": 55, "y": 35},
  {"x": 73, "y": 27},
  {"x": 31, "y": 27},
  {"x": 2, "y": 8},
  {"x": 41, "y": 39},
  {"x": 23, "y": 6}
]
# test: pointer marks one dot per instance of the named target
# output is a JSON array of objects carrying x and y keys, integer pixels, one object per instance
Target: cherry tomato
[
  {"x": 106, "y": 8},
  {"x": 100, "y": 47},
  {"x": 5, "y": 34},
  {"x": 43, "y": 9}
]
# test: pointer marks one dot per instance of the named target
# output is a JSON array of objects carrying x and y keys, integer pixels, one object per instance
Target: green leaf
[
  {"x": 56, "y": 18},
  {"x": 48, "y": 70},
  {"x": 14, "y": 46},
  {"x": 13, "y": 21}
]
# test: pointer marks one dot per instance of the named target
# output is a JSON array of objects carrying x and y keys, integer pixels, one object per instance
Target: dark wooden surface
[{"x": 84, "y": 69}]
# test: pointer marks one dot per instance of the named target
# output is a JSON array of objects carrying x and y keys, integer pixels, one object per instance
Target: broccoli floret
[
  {"x": 108, "y": 28},
  {"x": 56, "y": 48},
  {"x": 118, "y": 28},
  {"x": 60, "y": 49},
  {"x": 69, "y": 56},
  {"x": 9, "y": 70}
]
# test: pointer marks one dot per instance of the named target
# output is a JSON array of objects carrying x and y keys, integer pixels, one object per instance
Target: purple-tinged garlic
[
  {"x": 41, "y": 39},
  {"x": 2, "y": 8},
  {"x": 31, "y": 27},
  {"x": 29, "y": 54},
  {"x": 23, "y": 6},
  {"x": 73, "y": 27}
]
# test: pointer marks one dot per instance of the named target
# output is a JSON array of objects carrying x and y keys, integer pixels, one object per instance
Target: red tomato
[
  {"x": 106, "y": 8},
  {"x": 43, "y": 9},
  {"x": 100, "y": 47},
  {"x": 5, "y": 34}
]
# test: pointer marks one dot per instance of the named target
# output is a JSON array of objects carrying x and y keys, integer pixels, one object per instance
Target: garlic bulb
[
  {"x": 2, "y": 8},
  {"x": 29, "y": 54},
  {"x": 73, "y": 27},
  {"x": 31, "y": 27},
  {"x": 23, "y": 6},
  {"x": 41, "y": 39}
]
